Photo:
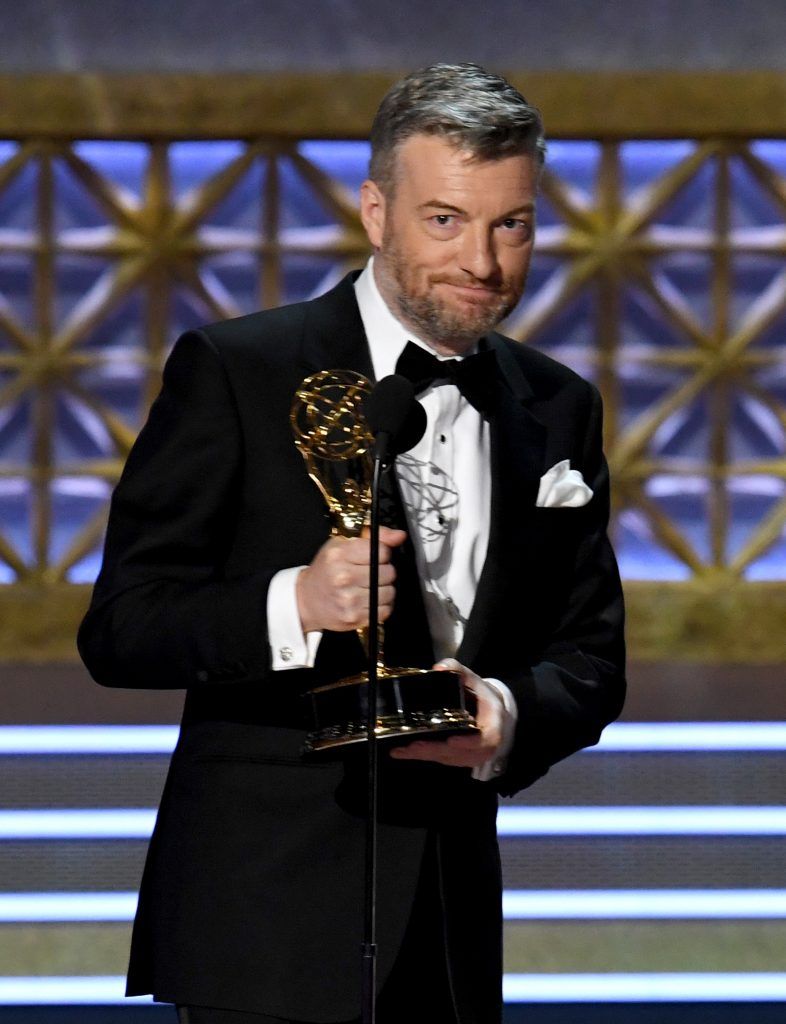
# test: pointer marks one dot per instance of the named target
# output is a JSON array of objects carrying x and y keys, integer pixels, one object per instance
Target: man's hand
[
  {"x": 463, "y": 751},
  {"x": 333, "y": 592}
]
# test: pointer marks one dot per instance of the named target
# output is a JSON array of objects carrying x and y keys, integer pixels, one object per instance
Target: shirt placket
[{"x": 443, "y": 459}]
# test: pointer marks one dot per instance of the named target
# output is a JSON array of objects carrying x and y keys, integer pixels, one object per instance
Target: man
[{"x": 220, "y": 576}]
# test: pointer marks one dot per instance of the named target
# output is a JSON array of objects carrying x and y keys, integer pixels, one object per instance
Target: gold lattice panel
[
  {"x": 114, "y": 272},
  {"x": 658, "y": 273},
  {"x": 665, "y": 282}
]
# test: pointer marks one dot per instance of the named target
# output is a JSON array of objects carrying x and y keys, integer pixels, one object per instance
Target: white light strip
[
  {"x": 517, "y": 905},
  {"x": 73, "y": 991},
  {"x": 132, "y": 823},
  {"x": 641, "y": 821},
  {"x": 137, "y": 823},
  {"x": 693, "y": 736},
  {"x": 644, "y": 988},
  {"x": 517, "y": 988},
  {"x": 620, "y": 736},
  {"x": 67, "y": 906},
  {"x": 88, "y": 739},
  {"x": 87, "y": 990},
  {"x": 615, "y": 904}
]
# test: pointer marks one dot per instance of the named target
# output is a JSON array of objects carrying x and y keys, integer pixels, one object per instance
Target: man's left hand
[{"x": 463, "y": 751}]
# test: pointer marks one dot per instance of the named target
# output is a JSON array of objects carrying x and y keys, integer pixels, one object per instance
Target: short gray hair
[{"x": 463, "y": 103}]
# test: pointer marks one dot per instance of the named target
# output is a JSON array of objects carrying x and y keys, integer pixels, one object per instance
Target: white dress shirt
[{"x": 445, "y": 483}]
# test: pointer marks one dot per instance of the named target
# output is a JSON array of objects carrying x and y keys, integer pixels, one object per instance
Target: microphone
[{"x": 395, "y": 417}]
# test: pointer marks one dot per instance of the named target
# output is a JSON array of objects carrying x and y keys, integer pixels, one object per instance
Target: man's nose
[{"x": 478, "y": 256}]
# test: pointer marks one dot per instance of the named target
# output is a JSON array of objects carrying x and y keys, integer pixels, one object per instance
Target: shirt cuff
[
  {"x": 289, "y": 646},
  {"x": 496, "y": 765}
]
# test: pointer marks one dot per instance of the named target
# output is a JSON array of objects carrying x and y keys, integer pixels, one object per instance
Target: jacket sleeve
[
  {"x": 577, "y": 685},
  {"x": 163, "y": 613}
]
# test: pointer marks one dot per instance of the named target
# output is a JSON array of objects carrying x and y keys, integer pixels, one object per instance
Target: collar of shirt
[{"x": 386, "y": 335}]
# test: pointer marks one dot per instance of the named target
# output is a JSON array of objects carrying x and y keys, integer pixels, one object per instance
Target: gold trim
[
  {"x": 707, "y": 620},
  {"x": 648, "y": 946},
  {"x": 404, "y": 726},
  {"x": 607, "y": 241},
  {"x": 39, "y": 623},
  {"x": 623, "y": 105},
  {"x": 695, "y": 621}
]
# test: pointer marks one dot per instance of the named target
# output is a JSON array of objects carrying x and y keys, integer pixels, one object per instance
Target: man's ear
[{"x": 372, "y": 212}]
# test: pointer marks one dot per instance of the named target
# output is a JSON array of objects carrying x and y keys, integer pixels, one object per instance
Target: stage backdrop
[{"x": 132, "y": 207}]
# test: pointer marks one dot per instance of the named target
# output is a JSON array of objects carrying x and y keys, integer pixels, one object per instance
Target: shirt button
[{"x": 286, "y": 653}]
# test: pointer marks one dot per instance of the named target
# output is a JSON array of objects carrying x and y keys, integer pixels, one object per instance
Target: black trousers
[{"x": 417, "y": 990}]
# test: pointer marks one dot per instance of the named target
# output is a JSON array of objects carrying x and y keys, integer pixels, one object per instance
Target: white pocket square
[{"x": 562, "y": 487}]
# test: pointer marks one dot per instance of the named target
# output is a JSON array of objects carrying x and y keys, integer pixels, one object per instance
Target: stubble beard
[{"x": 432, "y": 319}]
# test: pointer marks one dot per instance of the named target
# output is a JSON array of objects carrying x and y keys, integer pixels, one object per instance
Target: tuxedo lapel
[
  {"x": 333, "y": 334},
  {"x": 518, "y": 443}
]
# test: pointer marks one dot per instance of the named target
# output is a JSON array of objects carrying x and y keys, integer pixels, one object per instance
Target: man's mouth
[
  {"x": 475, "y": 292},
  {"x": 469, "y": 285}
]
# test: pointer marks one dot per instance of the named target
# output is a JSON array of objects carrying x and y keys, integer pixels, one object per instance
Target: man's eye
[
  {"x": 521, "y": 227},
  {"x": 443, "y": 219}
]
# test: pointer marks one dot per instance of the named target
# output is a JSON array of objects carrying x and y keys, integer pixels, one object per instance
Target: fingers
[
  {"x": 352, "y": 564},
  {"x": 469, "y": 751},
  {"x": 451, "y": 665},
  {"x": 488, "y": 710},
  {"x": 387, "y": 596},
  {"x": 455, "y": 752},
  {"x": 387, "y": 576},
  {"x": 391, "y": 538},
  {"x": 358, "y": 549},
  {"x": 333, "y": 591}
]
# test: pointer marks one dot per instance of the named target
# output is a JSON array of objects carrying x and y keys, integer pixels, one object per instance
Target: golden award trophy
[{"x": 336, "y": 442}]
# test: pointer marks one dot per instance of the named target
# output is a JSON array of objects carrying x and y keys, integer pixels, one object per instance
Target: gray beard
[
  {"x": 433, "y": 323},
  {"x": 430, "y": 320}
]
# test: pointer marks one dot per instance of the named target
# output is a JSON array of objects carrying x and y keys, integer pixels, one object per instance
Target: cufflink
[{"x": 286, "y": 653}]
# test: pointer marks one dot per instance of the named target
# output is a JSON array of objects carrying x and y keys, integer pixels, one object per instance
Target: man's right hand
[{"x": 333, "y": 592}]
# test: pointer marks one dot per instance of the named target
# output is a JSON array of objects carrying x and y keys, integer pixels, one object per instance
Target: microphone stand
[
  {"x": 369, "y": 946},
  {"x": 398, "y": 422}
]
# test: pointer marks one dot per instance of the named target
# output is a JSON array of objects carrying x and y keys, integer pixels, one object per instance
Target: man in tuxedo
[{"x": 220, "y": 576}]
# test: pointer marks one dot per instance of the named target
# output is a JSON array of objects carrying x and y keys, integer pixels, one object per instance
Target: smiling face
[{"x": 453, "y": 242}]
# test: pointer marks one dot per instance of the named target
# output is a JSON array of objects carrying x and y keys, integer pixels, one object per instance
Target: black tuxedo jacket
[{"x": 251, "y": 897}]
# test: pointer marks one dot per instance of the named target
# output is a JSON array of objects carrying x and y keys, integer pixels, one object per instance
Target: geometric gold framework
[
  {"x": 107, "y": 251},
  {"x": 658, "y": 273},
  {"x": 677, "y": 249}
]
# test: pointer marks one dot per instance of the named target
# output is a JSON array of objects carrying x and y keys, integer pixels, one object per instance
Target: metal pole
[{"x": 369, "y": 947}]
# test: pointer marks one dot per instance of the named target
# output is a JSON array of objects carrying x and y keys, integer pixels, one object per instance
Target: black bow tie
[{"x": 474, "y": 376}]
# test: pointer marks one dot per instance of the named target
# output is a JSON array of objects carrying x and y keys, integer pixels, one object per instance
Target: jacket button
[{"x": 202, "y": 676}]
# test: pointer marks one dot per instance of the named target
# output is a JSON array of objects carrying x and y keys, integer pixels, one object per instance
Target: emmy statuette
[{"x": 332, "y": 435}]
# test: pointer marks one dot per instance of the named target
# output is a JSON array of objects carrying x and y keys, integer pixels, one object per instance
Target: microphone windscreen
[
  {"x": 393, "y": 410},
  {"x": 413, "y": 428}
]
